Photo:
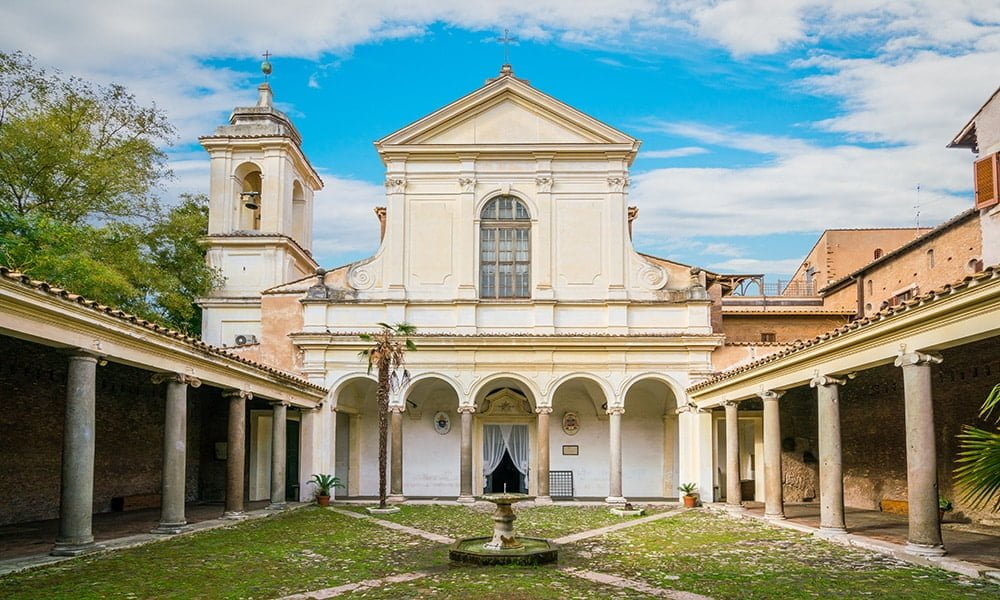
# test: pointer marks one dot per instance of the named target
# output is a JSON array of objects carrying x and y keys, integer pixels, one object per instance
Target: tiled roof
[
  {"x": 191, "y": 341},
  {"x": 515, "y": 334},
  {"x": 882, "y": 315},
  {"x": 245, "y": 233}
]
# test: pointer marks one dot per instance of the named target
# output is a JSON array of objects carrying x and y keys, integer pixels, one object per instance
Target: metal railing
[{"x": 756, "y": 287}]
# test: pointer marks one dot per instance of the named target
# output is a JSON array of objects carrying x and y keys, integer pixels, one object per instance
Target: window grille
[{"x": 561, "y": 484}]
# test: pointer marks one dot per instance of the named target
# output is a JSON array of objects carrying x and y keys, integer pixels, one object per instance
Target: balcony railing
[{"x": 756, "y": 287}]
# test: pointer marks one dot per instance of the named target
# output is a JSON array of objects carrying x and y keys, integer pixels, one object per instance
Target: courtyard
[{"x": 314, "y": 552}]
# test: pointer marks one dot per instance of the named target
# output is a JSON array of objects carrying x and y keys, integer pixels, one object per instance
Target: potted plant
[
  {"x": 324, "y": 482},
  {"x": 690, "y": 498},
  {"x": 944, "y": 505}
]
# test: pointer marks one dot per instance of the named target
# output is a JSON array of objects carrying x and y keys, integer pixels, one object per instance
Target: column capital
[
  {"x": 616, "y": 410},
  {"x": 544, "y": 410},
  {"x": 466, "y": 409},
  {"x": 730, "y": 402},
  {"x": 397, "y": 409},
  {"x": 917, "y": 359},
  {"x": 276, "y": 403},
  {"x": 770, "y": 395},
  {"x": 825, "y": 380},
  {"x": 234, "y": 394},
  {"x": 191, "y": 380}
]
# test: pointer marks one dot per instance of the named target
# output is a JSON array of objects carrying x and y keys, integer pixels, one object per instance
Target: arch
[
  {"x": 604, "y": 385},
  {"x": 451, "y": 381},
  {"x": 345, "y": 380},
  {"x": 488, "y": 197},
  {"x": 244, "y": 168},
  {"x": 498, "y": 379},
  {"x": 300, "y": 222},
  {"x": 249, "y": 177},
  {"x": 671, "y": 383},
  {"x": 504, "y": 242}
]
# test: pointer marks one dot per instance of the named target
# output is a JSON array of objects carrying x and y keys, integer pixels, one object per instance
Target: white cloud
[
  {"x": 673, "y": 152},
  {"x": 345, "y": 228},
  {"x": 781, "y": 266}
]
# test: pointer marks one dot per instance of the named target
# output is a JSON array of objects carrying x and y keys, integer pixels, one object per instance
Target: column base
[
  {"x": 615, "y": 500},
  {"x": 69, "y": 549},
  {"x": 831, "y": 531},
  {"x": 925, "y": 549},
  {"x": 543, "y": 499},
  {"x": 466, "y": 499},
  {"x": 234, "y": 515},
  {"x": 734, "y": 508},
  {"x": 396, "y": 499},
  {"x": 277, "y": 506},
  {"x": 170, "y": 528},
  {"x": 775, "y": 517}
]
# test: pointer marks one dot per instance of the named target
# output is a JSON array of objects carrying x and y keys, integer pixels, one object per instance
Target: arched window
[
  {"x": 504, "y": 249},
  {"x": 930, "y": 258},
  {"x": 878, "y": 253}
]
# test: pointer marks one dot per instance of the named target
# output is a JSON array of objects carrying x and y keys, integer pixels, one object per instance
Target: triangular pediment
[{"x": 507, "y": 111}]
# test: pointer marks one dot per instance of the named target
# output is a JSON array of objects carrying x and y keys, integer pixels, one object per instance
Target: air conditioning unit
[{"x": 242, "y": 339}]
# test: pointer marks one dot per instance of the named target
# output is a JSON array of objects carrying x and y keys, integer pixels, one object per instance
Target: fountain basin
[{"x": 532, "y": 551}]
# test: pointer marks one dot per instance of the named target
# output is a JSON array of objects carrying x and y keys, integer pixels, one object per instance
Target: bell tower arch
[{"x": 260, "y": 215}]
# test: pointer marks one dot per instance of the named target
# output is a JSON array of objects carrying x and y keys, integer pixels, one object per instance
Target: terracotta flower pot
[
  {"x": 323, "y": 500},
  {"x": 689, "y": 501}
]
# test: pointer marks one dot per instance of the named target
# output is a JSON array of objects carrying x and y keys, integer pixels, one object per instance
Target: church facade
[{"x": 548, "y": 348}]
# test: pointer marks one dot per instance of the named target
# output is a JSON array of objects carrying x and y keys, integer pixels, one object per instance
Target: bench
[{"x": 896, "y": 507}]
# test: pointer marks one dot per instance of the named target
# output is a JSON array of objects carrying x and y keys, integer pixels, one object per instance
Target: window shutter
[{"x": 986, "y": 176}]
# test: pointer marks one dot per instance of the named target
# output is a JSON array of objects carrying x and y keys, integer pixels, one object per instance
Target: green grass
[
  {"x": 313, "y": 549},
  {"x": 306, "y": 549},
  {"x": 472, "y": 521},
  {"x": 726, "y": 558}
]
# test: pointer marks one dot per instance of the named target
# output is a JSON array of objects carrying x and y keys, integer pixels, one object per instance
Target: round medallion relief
[
  {"x": 442, "y": 423},
  {"x": 570, "y": 423}
]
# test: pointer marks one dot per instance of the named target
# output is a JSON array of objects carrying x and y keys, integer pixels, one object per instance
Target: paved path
[
  {"x": 361, "y": 585},
  {"x": 639, "y": 586},
  {"x": 427, "y": 535},
  {"x": 583, "y": 535}
]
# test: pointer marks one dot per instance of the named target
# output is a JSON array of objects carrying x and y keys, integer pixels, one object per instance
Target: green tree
[
  {"x": 78, "y": 167},
  {"x": 75, "y": 151},
  {"x": 978, "y": 471},
  {"x": 386, "y": 355}
]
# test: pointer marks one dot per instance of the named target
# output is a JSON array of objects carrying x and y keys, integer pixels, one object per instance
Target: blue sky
[{"x": 763, "y": 122}]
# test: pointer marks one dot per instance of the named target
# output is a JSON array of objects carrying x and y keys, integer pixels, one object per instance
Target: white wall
[
  {"x": 431, "y": 460},
  {"x": 590, "y": 468}
]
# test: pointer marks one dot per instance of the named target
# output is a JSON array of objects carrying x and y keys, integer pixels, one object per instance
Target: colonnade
[
  {"x": 924, "y": 535},
  {"x": 79, "y": 441}
]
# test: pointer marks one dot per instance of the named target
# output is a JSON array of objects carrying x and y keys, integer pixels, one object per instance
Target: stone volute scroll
[
  {"x": 617, "y": 184},
  {"x": 395, "y": 184},
  {"x": 467, "y": 184},
  {"x": 190, "y": 380},
  {"x": 916, "y": 359},
  {"x": 544, "y": 184}
]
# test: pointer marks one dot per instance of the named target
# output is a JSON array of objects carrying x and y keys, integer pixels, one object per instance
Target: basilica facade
[{"x": 549, "y": 350}]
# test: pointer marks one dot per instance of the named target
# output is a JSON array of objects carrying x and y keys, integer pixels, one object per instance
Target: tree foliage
[
  {"x": 978, "y": 471},
  {"x": 78, "y": 167},
  {"x": 387, "y": 355}
]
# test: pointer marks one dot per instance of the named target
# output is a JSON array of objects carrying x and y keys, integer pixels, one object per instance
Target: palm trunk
[{"x": 383, "y": 427}]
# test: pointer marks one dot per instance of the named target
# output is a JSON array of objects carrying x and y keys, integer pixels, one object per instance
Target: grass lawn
[
  {"x": 472, "y": 521},
  {"x": 313, "y": 549},
  {"x": 721, "y": 557}
]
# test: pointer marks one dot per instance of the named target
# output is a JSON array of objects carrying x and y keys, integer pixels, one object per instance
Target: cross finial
[
  {"x": 506, "y": 40},
  {"x": 265, "y": 66}
]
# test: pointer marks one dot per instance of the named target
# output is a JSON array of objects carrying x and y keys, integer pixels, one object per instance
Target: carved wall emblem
[
  {"x": 395, "y": 185},
  {"x": 570, "y": 423},
  {"x": 468, "y": 184},
  {"x": 544, "y": 184},
  {"x": 442, "y": 423},
  {"x": 618, "y": 184}
]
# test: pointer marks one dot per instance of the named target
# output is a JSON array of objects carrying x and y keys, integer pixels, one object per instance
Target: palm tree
[
  {"x": 978, "y": 472},
  {"x": 386, "y": 356}
]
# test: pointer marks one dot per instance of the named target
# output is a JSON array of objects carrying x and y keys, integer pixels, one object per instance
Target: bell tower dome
[{"x": 260, "y": 215}]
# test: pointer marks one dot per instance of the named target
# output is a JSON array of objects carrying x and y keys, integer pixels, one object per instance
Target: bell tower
[{"x": 260, "y": 215}]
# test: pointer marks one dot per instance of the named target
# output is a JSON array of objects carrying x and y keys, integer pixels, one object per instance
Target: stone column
[
  {"x": 235, "y": 452},
  {"x": 172, "y": 519},
  {"x": 734, "y": 495},
  {"x": 278, "y": 439},
  {"x": 465, "y": 488},
  {"x": 543, "y": 454},
  {"x": 76, "y": 499},
  {"x": 921, "y": 455},
  {"x": 396, "y": 454},
  {"x": 831, "y": 469},
  {"x": 615, "y": 453},
  {"x": 774, "y": 506}
]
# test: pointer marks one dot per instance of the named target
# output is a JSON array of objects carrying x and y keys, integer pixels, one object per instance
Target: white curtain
[
  {"x": 517, "y": 446},
  {"x": 494, "y": 446}
]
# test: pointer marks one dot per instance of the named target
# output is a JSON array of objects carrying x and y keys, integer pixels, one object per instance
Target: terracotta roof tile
[{"x": 195, "y": 342}]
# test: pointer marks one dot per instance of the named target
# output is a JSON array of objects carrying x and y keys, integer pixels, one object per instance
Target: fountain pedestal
[{"x": 504, "y": 547}]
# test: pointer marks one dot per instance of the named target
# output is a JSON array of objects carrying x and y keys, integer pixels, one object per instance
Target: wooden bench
[
  {"x": 135, "y": 502},
  {"x": 896, "y": 507}
]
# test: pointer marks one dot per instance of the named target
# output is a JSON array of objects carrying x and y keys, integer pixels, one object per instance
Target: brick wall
[
  {"x": 873, "y": 428},
  {"x": 129, "y": 432},
  {"x": 787, "y": 328}
]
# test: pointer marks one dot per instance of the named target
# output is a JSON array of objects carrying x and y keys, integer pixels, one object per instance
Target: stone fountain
[{"x": 504, "y": 548}]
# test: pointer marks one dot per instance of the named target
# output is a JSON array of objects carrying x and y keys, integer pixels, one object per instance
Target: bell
[{"x": 251, "y": 200}]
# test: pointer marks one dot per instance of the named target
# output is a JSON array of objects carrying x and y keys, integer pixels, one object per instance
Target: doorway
[{"x": 505, "y": 458}]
